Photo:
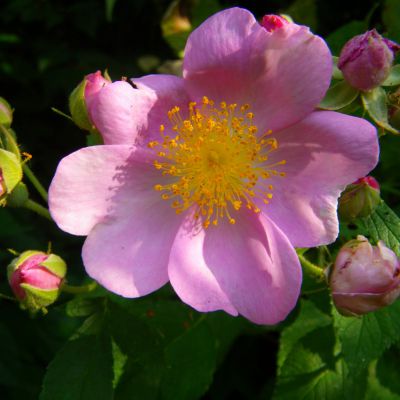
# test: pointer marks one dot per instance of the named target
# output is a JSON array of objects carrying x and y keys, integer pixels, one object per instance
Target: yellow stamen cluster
[{"x": 214, "y": 159}]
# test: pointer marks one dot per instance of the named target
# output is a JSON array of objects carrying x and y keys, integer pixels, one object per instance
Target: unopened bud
[
  {"x": 35, "y": 278},
  {"x": 82, "y": 97},
  {"x": 366, "y": 60},
  {"x": 364, "y": 277},
  {"x": 359, "y": 199},
  {"x": 6, "y": 113},
  {"x": 272, "y": 22},
  {"x": 10, "y": 174}
]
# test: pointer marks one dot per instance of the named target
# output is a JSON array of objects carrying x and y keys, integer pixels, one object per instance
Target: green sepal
[
  {"x": 336, "y": 73},
  {"x": 19, "y": 196},
  {"x": 11, "y": 171},
  {"x": 375, "y": 103},
  {"x": 358, "y": 201},
  {"x": 394, "y": 77},
  {"x": 8, "y": 141},
  {"x": 338, "y": 96},
  {"x": 6, "y": 113},
  {"x": 78, "y": 109},
  {"x": 17, "y": 261},
  {"x": 36, "y": 299},
  {"x": 56, "y": 265}
]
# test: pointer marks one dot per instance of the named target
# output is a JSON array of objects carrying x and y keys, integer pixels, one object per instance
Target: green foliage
[{"x": 80, "y": 371}]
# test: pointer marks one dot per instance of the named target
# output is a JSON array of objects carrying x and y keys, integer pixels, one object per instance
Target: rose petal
[
  {"x": 282, "y": 74},
  {"x": 125, "y": 115},
  {"x": 99, "y": 181},
  {"x": 129, "y": 255},
  {"x": 249, "y": 267},
  {"x": 324, "y": 153}
]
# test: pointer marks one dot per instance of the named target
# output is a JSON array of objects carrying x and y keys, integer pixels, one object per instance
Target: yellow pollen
[{"x": 213, "y": 160}]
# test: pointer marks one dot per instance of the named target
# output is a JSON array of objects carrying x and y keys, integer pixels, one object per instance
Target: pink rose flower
[
  {"x": 364, "y": 277},
  {"x": 209, "y": 181}
]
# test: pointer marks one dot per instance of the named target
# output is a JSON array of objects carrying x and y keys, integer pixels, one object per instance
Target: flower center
[{"x": 215, "y": 161}]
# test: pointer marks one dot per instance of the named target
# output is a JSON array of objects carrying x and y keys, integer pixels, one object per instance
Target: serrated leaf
[
  {"x": 309, "y": 319},
  {"x": 375, "y": 391},
  {"x": 190, "y": 364},
  {"x": 338, "y": 96},
  {"x": 394, "y": 77},
  {"x": 384, "y": 224},
  {"x": 82, "y": 370},
  {"x": 375, "y": 103},
  {"x": 387, "y": 370},
  {"x": 365, "y": 338},
  {"x": 81, "y": 307}
]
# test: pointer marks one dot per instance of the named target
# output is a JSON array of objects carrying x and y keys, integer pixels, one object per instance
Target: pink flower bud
[
  {"x": 94, "y": 83},
  {"x": 273, "y": 22},
  {"x": 35, "y": 278},
  {"x": 359, "y": 199},
  {"x": 82, "y": 97},
  {"x": 364, "y": 277},
  {"x": 366, "y": 60}
]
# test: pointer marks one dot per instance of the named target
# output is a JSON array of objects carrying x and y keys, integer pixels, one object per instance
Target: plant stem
[
  {"x": 311, "y": 269},
  {"x": 35, "y": 182},
  {"x": 79, "y": 289},
  {"x": 5, "y": 297},
  {"x": 37, "y": 208}
]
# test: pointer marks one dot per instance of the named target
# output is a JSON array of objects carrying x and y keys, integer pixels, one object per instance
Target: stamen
[{"x": 215, "y": 161}]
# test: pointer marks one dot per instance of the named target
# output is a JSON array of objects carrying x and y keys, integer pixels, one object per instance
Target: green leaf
[
  {"x": 190, "y": 364},
  {"x": 82, "y": 370},
  {"x": 390, "y": 17},
  {"x": 336, "y": 73},
  {"x": 309, "y": 319},
  {"x": 172, "y": 351},
  {"x": 375, "y": 103},
  {"x": 365, "y": 338},
  {"x": 338, "y": 96},
  {"x": 387, "y": 370},
  {"x": 384, "y": 224},
  {"x": 375, "y": 390},
  {"x": 394, "y": 77}
]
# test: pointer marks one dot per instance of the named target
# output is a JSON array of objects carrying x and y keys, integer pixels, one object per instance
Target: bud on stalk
[
  {"x": 82, "y": 96},
  {"x": 35, "y": 278},
  {"x": 364, "y": 277},
  {"x": 359, "y": 199},
  {"x": 366, "y": 60}
]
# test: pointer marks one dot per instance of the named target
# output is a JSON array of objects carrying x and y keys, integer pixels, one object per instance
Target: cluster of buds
[
  {"x": 36, "y": 279},
  {"x": 366, "y": 60},
  {"x": 364, "y": 278}
]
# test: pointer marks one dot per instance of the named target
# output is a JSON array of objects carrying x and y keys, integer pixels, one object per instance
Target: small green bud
[{"x": 359, "y": 199}]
